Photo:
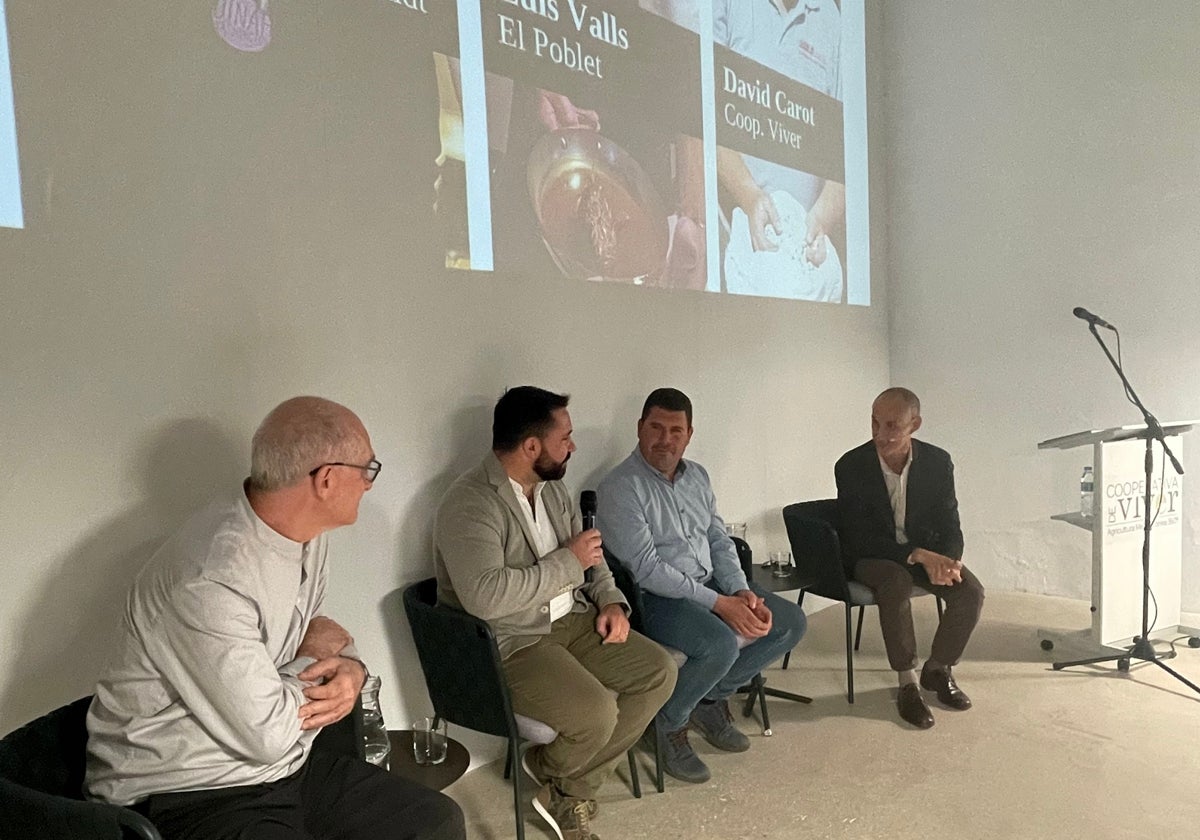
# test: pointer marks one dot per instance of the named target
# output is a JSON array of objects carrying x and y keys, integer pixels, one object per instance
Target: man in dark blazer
[{"x": 898, "y": 522}]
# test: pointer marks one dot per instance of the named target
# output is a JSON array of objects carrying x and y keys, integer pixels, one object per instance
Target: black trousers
[{"x": 332, "y": 797}]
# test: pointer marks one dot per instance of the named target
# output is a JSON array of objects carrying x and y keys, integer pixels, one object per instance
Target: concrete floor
[{"x": 1089, "y": 752}]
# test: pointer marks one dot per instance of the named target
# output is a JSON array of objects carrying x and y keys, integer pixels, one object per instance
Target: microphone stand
[{"x": 1142, "y": 647}]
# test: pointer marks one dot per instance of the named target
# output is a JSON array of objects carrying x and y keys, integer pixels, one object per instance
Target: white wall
[
  {"x": 210, "y": 232},
  {"x": 1042, "y": 156}
]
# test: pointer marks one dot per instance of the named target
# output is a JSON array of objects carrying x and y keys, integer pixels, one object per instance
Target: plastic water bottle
[
  {"x": 1086, "y": 494},
  {"x": 375, "y": 737}
]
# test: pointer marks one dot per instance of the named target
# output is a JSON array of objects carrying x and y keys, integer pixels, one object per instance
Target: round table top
[
  {"x": 435, "y": 776},
  {"x": 765, "y": 577}
]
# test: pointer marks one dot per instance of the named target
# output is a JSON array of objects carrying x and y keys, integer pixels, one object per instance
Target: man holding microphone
[{"x": 508, "y": 548}]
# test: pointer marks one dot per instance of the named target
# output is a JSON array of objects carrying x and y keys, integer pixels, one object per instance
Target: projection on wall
[
  {"x": 10, "y": 175},
  {"x": 714, "y": 145},
  {"x": 243, "y": 24}
]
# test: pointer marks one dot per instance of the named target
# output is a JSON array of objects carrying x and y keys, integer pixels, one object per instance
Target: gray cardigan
[{"x": 486, "y": 563}]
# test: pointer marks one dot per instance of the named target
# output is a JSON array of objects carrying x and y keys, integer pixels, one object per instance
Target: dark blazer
[{"x": 866, "y": 524}]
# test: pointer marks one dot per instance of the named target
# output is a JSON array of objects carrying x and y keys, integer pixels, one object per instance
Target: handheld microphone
[
  {"x": 1094, "y": 320},
  {"x": 587, "y": 510}
]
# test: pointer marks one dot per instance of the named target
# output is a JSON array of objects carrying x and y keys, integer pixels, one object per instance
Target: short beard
[{"x": 548, "y": 470}]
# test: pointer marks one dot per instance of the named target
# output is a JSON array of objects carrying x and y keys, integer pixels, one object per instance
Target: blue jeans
[{"x": 715, "y": 668}]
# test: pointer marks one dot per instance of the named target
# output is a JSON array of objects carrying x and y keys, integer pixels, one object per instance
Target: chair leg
[
  {"x": 787, "y": 657},
  {"x": 514, "y": 751},
  {"x": 849, "y": 657},
  {"x": 858, "y": 635},
  {"x": 658, "y": 762},
  {"x": 759, "y": 684},
  {"x": 510, "y": 761},
  {"x": 634, "y": 778}
]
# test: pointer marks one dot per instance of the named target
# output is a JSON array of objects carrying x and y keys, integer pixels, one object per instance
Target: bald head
[
  {"x": 899, "y": 398},
  {"x": 300, "y": 434}
]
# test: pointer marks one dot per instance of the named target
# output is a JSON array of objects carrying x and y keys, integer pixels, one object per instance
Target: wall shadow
[
  {"x": 469, "y": 439},
  {"x": 185, "y": 463}
]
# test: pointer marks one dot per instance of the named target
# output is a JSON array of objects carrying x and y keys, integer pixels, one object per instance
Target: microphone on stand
[
  {"x": 587, "y": 510},
  {"x": 1094, "y": 320}
]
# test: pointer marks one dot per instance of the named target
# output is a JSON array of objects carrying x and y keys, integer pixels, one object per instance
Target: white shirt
[
  {"x": 897, "y": 487},
  {"x": 544, "y": 539},
  {"x": 203, "y": 691}
]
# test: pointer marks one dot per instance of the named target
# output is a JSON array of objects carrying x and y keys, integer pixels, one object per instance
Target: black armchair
[
  {"x": 41, "y": 779},
  {"x": 461, "y": 663},
  {"x": 41, "y": 784},
  {"x": 812, "y": 532}
]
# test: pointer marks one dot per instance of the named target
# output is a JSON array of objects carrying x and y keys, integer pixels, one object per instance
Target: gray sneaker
[
  {"x": 715, "y": 722},
  {"x": 567, "y": 815},
  {"x": 680, "y": 760}
]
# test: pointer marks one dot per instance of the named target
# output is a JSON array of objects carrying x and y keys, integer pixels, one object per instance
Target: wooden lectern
[{"x": 1117, "y": 526}]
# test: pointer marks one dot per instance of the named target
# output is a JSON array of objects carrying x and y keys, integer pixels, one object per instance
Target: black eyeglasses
[{"x": 372, "y": 469}]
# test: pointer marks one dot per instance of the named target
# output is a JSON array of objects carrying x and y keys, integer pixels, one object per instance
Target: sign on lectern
[{"x": 1117, "y": 526}]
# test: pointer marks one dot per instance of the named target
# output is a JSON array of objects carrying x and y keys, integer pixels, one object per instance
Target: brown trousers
[
  {"x": 568, "y": 679},
  {"x": 893, "y": 583}
]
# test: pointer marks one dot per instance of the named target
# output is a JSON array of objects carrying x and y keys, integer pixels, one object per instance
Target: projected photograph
[
  {"x": 450, "y": 185},
  {"x": 11, "y": 214},
  {"x": 594, "y": 157},
  {"x": 711, "y": 145},
  {"x": 781, "y": 153},
  {"x": 429, "y": 141}
]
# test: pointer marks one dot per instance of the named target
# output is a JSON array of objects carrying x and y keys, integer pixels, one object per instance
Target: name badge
[{"x": 561, "y": 605}]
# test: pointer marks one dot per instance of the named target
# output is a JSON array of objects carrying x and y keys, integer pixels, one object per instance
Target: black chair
[
  {"x": 633, "y": 594},
  {"x": 461, "y": 663},
  {"x": 41, "y": 784},
  {"x": 812, "y": 532},
  {"x": 41, "y": 779}
]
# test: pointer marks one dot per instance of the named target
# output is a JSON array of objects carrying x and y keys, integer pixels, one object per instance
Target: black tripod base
[
  {"x": 758, "y": 691},
  {"x": 1141, "y": 649}
]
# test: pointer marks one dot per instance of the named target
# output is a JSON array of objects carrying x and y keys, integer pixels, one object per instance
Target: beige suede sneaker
[{"x": 567, "y": 815}]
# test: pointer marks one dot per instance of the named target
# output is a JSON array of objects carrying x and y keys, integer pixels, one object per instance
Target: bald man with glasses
[{"x": 227, "y": 667}]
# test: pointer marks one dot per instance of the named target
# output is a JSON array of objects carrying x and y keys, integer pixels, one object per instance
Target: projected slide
[
  {"x": 10, "y": 175},
  {"x": 713, "y": 145},
  {"x": 604, "y": 106},
  {"x": 780, "y": 148}
]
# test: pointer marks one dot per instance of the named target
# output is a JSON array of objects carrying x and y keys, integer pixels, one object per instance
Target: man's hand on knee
[
  {"x": 341, "y": 680},
  {"x": 942, "y": 570},
  {"x": 763, "y": 613},
  {"x": 612, "y": 624},
  {"x": 757, "y": 605},
  {"x": 735, "y": 611}
]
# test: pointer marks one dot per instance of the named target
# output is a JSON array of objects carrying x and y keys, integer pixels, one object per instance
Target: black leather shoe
[
  {"x": 948, "y": 692},
  {"x": 912, "y": 707}
]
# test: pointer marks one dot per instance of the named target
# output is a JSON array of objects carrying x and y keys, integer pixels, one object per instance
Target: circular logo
[{"x": 243, "y": 24}]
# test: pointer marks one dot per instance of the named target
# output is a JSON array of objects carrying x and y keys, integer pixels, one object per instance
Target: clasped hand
[
  {"x": 745, "y": 613},
  {"x": 942, "y": 570},
  {"x": 339, "y": 681}
]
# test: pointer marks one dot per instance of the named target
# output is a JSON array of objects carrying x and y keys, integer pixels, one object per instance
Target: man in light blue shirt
[{"x": 659, "y": 517}]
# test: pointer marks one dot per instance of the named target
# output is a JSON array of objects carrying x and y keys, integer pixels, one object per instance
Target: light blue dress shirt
[{"x": 668, "y": 534}]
